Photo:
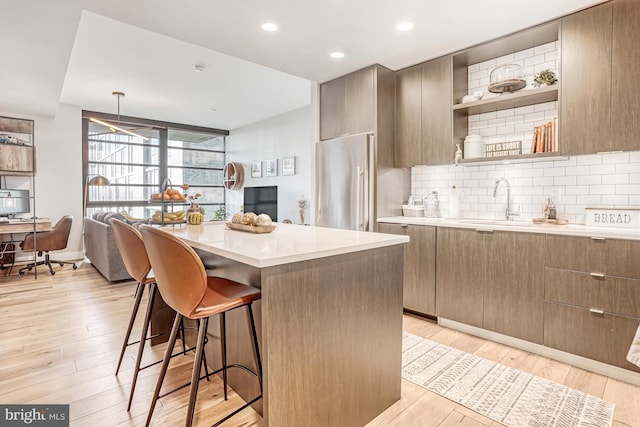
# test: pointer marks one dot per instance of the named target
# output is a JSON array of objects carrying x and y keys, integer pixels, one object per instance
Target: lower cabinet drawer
[
  {"x": 628, "y": 297},
  {"x": 604, "y": 337},
  {"x": 581, "y": 289}
]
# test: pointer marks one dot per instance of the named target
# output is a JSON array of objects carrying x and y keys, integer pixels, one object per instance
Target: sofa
[{"x": 100, "y": 246}]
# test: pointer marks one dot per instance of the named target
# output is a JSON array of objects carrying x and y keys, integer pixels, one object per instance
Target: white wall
[
  {"x": 282, "y": 136},
  {"x": 58, "y": 182}
]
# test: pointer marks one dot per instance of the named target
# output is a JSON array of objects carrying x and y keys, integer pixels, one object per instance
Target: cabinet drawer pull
[
  {"x": 404, "y": 225},
  {"x": 598, "y": 275},
  {"x": 599, "y": 239},
  {"x": 596, "y": 311},
  {"x": 484, "y": 230}
]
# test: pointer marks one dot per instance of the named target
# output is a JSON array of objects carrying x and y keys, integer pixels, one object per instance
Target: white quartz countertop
[
  {"x": 286, "y": 244},
  {"x": 519, "y": 226}
]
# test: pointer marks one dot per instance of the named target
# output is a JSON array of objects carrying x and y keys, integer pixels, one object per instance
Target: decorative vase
[{"x": 195, "y": 215}]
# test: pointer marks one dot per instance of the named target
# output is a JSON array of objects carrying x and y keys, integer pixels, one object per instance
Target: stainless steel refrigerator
[{"x": 345, "y": 182}]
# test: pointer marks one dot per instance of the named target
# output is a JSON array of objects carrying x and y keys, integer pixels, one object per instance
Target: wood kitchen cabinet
[
  {"x": 423, "y": 114},
  {"x": 460, "y": 261},
  {"x": 492, "y": 280},
  {"x": 592, "y": 297},
  {"x": 347, "y": 105},
  {"x": 600, "y": 65},
  {"x": 585, "y": 107},
  {"x": 419, "y": 289},
  {"x": 625, "y": 91},
  {"x": 437, "y": 128},
  {"x": 363, "y": 101},
  {"x": 408, "y": 146}
]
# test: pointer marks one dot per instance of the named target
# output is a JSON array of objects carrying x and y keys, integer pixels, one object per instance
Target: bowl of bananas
[{"x": 177, "y": 217}]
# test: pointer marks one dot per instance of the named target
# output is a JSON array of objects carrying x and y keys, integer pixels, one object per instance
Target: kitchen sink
[{"x": 502, "y": 223}]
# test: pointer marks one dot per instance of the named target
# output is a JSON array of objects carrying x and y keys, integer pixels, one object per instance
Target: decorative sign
[
  {"x": 609, "y": 217},
  {"x": 500, "y": 149}
]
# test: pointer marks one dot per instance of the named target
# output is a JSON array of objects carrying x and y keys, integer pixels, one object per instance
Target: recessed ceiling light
[
  {"x": 404, "y": 26},
  {"x": 337, "y": 55},
  {"x": 269, "y": 26}
]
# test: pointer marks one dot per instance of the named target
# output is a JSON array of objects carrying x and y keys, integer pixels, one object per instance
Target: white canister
[{"x": 473, "y": 147}]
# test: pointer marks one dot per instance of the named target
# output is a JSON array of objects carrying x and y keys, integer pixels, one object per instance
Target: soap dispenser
[{"x": 550, "y": 209}]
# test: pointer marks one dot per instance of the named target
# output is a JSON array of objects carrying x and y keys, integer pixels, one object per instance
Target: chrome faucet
[{"x": 508, "y": 214}]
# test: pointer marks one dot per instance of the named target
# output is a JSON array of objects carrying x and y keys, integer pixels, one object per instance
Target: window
[{"x": 136, "y": 168}]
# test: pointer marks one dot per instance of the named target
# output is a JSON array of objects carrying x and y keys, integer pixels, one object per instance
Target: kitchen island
[{"x": 329, "y": 321}]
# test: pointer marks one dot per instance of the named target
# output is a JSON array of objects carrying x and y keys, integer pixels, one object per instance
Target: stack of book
[{"x": 545, "y": 138}]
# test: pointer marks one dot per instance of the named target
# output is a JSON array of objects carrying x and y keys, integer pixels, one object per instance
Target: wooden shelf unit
[
  {"x": 525, "y": 39},
  {"x": 17, "y": 159},
  {"x": 510, "y": 100}
]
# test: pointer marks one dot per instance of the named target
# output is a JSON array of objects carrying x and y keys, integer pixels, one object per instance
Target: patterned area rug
[{"x": 506, "y": 395}]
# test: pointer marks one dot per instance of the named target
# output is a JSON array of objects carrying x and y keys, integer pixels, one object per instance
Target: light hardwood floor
[{"x": 60, "y": 337}]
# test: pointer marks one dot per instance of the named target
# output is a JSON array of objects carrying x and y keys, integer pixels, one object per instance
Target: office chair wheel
[
  {"x": 52, "y": 273},
  {"x": 30, "y": 268},
  {"x": 75, "y": 267},
  {"x": 21, "y": 273}
]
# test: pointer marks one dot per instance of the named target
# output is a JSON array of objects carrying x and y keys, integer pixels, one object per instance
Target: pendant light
[{"x": 117, "y": 128}]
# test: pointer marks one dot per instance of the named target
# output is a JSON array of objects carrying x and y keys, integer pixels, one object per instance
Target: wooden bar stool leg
[
  {"x": 197, "y": 365},
  {"x": 165, "y": 365},
  {"x": 125, "y": 343},
  {"x": 223, "y": 351},
  {"x": 143, "y": 340}
]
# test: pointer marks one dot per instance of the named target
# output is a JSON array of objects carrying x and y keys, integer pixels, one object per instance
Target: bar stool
[
  {"x": 185, "y": 287},
  {"x": 136, "y": 261},
  {"x": 134, "y": 255}
]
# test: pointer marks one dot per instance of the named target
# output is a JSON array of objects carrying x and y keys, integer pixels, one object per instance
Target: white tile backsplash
[{"x": 611, "y": 179}]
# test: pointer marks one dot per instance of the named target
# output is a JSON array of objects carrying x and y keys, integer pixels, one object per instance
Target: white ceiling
[{"x": 79, "y": 51}]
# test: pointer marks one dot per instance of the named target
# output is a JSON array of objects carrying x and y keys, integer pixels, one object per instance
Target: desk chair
[
  {"x": 185, "y": 287},
  {"x": 47, "y": 241}
]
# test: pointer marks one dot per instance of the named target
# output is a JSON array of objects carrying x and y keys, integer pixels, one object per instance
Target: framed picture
[
  {"x": 289, "y": 166},
  {"x": 271, "y": 167},
  {"x": 256, "y": 170}
]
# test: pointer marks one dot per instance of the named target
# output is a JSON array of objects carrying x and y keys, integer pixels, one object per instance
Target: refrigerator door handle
[{"x": 359, "y": 201}]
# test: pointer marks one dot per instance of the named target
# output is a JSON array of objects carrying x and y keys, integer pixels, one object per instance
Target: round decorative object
[
  {"x": 195, "y": 215},
  {"x": 233, "y": 176},
  {"x": 506, "y": 78}
]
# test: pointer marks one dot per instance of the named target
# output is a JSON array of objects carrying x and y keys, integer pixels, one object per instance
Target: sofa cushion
[
  {"x": 115, "y": 215},
  {"x": 99, "y": 216}
]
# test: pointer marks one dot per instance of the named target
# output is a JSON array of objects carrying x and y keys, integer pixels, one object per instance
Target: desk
[
  {"x": 19, "y": 226},
  {"x": 329, "y": 321}
]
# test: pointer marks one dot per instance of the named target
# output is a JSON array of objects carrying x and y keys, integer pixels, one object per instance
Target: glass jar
[
  {"x": 432, "y": 205},
  {"x": 506, "y": 78}
]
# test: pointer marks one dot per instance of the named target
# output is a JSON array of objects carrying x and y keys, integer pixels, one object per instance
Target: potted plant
[
  {"x": 221, "y": 214},
  {"x": 545, "y": 78}
]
